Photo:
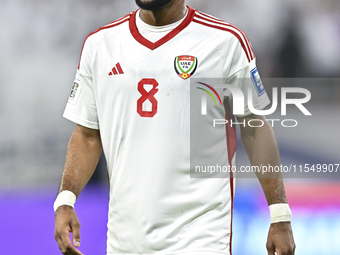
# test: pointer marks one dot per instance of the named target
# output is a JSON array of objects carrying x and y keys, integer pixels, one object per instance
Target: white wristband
[
  {"x": 280, "y": 213},
  {"x": 65, "y": 197}
]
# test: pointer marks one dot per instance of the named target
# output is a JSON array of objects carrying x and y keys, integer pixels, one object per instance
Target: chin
[{"x": 152, "y": 5}]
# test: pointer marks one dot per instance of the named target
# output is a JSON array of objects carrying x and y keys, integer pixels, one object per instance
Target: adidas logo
[{"x": 116, "y": 70}]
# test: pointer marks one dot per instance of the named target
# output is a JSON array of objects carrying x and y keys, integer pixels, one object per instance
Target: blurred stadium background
[{"x": 40, "y": 47}]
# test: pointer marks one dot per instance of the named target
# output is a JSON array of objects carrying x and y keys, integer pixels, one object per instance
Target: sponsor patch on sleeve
[
  {"x": 255, "y": 76},
  {"x": 75, "y": 93}
]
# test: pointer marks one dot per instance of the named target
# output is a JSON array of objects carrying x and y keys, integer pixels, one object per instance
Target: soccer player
[{"x": 131, "y": 98}]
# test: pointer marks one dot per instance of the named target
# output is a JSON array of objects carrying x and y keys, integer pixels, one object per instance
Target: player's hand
[
  {"x": 280, "y": 239},
  {"x": 66, "y": 221}
]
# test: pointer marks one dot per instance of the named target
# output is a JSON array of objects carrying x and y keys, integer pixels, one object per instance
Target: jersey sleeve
[
  {"x": 242, "y": 72},
  {"x": 81, "y": 106}
]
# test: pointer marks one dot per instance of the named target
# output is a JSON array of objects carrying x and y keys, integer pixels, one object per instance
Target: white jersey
[{"x": 137, "y": 93}]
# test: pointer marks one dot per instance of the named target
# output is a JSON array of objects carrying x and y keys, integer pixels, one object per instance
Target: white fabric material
[
  {"x": 154, "y": 33},
  {"x": 155, "y": 207},
  {"x": 65, "y": 197},
  {"x": 280, "y": 213}
]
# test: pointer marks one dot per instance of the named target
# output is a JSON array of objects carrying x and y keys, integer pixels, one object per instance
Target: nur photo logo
[{"x": 243, "y": 101}]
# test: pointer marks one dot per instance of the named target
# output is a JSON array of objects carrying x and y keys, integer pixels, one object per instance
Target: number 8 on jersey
[{"x": 147, "y": 96}]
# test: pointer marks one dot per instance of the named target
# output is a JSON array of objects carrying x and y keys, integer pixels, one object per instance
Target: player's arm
[
  {"x": 83, "y": 153},
  {"x": 261, "y": 148}
]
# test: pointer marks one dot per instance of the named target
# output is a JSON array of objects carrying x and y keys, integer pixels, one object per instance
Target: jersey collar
[{"x": 139, "y": 38}]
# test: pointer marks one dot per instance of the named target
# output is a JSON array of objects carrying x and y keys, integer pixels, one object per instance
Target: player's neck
[{"x": 169, "y": 14}]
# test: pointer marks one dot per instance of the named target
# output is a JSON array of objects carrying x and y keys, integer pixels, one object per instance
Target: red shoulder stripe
[
  {"x": 227, "y": 24},
  {"x": 110, "y": 25},
  {"x": 249, "y": 56},
  {"x": 221, "y": 22},
  {"x": 209, "y": 16}
]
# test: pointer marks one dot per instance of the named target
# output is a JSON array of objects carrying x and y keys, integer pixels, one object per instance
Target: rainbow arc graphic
[{"x": 204, "y": 102}]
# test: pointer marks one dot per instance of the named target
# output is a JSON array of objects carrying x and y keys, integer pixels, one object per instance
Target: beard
[{"x": 152, "y": 5}]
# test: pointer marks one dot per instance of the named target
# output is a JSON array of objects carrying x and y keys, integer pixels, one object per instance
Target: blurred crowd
[{"x": 292, "y": 38}]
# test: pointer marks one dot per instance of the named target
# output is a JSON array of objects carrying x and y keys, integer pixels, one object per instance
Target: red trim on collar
[{"x": 139, "y": 38}]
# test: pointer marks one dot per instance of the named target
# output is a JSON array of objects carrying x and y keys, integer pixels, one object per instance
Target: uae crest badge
[{"x": 185, "y": 66}]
